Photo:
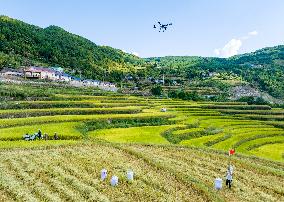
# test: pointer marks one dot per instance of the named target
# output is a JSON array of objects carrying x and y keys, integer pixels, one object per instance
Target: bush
[
  {"x": 157, "y": 90},
  {"x": 253, "y": 101}
]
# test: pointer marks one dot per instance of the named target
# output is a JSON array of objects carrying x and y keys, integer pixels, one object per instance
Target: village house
[
  {"x": 90, "y": 82},
  {"x": 65, "y": 77},
  {"x": 41, "y": 73},
  {"x": 8, "y": 72},
  {"x": 56, "y": 74}
]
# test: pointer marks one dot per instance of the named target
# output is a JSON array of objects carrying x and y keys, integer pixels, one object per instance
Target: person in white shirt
[{"x": 229, "y": 176}]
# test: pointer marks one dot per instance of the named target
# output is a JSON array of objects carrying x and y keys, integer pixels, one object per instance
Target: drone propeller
[{"x": 162, "y": 27}]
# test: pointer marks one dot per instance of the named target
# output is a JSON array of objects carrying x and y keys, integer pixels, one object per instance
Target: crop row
[
  {"x": 63, "y": 104},
  {"x": 263, "y": 117},
  {"x": 4, "y": 123},
  {"x": 259, "y": 112},
  {"x": 205, "y": 166},
  {"x": 73, "y": 174},
  {"x": 67, "y": 111},
  {"x": 261, "y": 136},
  {"x": 238, "y": 107}
]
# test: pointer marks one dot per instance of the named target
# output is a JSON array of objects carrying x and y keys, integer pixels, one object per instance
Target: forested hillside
[
  {"x": 263, "y": 69},
  {"x": 22, "y": 44}
]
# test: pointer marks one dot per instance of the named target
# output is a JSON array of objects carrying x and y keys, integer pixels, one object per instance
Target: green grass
[{"x": 145, "y": 135}]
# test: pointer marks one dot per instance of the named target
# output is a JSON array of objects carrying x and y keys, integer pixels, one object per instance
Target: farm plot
[{"x": 145, "y": 134}]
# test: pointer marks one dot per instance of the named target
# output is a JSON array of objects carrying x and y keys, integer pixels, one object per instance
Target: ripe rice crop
[{"x": 178, "y": 173}]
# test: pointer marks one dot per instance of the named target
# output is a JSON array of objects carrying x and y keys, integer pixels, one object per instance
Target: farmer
[
  {"x": 45, "y": 136},
  {"x": 55, "y": 137},
  {"x": 229, "y": 176},
  {"x": 39, "y": 134},
  {"x": 26, "y": 136}
]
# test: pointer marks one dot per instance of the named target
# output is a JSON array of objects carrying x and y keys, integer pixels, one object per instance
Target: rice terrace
[
  {"x": 175, "y": 154},
  {"x": 141, "y": 101}
]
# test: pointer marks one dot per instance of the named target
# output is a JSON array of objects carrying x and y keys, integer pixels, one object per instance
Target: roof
[
  {"x": 41, "y": 69},
  {"x": 11, "y": 70},
  {"x": 76, "y": 78}
]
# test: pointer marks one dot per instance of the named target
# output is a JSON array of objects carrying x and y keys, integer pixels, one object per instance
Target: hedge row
[
  {"x": 264, "y": 117},
  {"x": 177, "y": 138},
  {"x": 5, "y": 123},
  {"x": 251, "y": 147},
  {"x": 240, "y": 107},
  {"x": 223, "y": 103},
  {"x": 64, "y": 111},
  {"x": 66, "y": 104},
  {"x": 217, "y": 140},
  {"x": 123, "y": 123},
  {"x": 239, "y": 143},
  {"x": 260, "y": 112}
]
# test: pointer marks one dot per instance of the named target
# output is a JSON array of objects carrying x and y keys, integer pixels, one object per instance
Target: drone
[{"x": 162, "y": 27}]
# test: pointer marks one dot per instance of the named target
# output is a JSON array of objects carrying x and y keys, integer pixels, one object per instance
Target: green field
[{"x": 178, "y": 152}]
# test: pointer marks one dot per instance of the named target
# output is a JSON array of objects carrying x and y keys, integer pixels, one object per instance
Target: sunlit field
[{"x": 175, "y": 155}]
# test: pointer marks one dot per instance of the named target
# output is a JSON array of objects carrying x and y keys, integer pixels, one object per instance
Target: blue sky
[{"x": 200, "y": 27}]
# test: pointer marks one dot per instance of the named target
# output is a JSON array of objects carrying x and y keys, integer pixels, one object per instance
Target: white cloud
[
  {"x": 230, "y": 49},
  {"x": 135, "y": 53},
  {"x": 233, "y": 46},
  {"x": 253, "y": 33}
]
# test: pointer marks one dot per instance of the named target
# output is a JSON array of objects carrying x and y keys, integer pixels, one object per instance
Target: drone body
[{"x": 162, "y": 27}]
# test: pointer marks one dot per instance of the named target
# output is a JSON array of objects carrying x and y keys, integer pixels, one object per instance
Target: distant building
[
  {"x": 65, "y": 77},
  {"x": 8, "y": 72},
  {"x": 57, "y": 74},
  {"x": 58, "y": 69},
  {"x": 41, "y": 73}
]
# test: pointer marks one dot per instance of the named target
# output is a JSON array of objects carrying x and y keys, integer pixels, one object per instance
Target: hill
[
  {"x": 25, "y": 44},
  {"x": 263, "y": 70}
]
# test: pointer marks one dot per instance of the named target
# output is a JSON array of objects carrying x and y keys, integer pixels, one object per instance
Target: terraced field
[
  {"x": 178, "y": 152},
  {"x": 72, "y": 173},
  {"x": 247, "y": 128}
]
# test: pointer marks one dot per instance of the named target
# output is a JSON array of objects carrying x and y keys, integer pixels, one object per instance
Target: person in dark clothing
[
  {"x": 55, "y": 136},
  {"x": 39, "y": 134}
]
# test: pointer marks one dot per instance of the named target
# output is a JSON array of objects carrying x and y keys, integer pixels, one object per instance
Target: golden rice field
[{"x": 175, "y": 155}]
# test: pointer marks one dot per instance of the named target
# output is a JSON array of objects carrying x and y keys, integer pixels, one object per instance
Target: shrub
[{"x": 157, "y": 90}]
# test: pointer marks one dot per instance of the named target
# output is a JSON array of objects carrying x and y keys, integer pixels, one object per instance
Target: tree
[{"x": 157, "y": 90}]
